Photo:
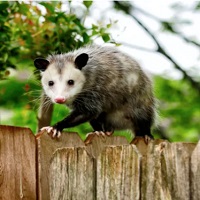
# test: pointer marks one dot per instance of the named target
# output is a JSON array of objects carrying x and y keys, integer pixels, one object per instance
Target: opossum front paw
[{"x": 54, "y": 132}]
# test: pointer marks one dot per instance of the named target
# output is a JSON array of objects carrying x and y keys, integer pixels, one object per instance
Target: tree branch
[
  {"x": 173, "y": 30},
  {"x": 160, "y": 49},
  {"x": 45, "y": 112},
  {"x": 137, "y": 47}
]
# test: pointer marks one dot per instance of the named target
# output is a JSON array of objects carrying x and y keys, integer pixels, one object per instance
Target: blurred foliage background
[{"x": 32, "y": 29}]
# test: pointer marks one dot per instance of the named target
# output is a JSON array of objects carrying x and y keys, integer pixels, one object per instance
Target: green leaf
[
  {"x": 48, "y": 6},
  {"x": 3, "y": 6},
  {"x": 124, "y": 6},
  {"x": 105, "y": 37},
  {"x": 94, "y": 26},
  {"x": 24, "y": 8},
  {"x": 87, "y": 3},
  {"x": 168, "y": 26},
  {"x": 5, "y": 57},
  {"x": 108, "y": 25},
  {"x": 86, "y": 38},
  {"x": 197, "y": 7},
  {"x": 52, "y": 19}
]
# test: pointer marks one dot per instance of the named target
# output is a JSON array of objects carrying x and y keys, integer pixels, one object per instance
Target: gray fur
[{"x": 115, "y": 85}]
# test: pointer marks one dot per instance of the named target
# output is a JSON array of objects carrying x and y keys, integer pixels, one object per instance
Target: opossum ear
[
  {"x": 41, "y": 63},
  {"x": 81, "y": 60}
]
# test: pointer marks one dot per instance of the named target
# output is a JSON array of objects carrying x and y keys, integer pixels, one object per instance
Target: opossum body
[{"x": 101, "y": 85}]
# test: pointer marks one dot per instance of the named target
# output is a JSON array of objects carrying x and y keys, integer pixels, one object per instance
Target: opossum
[{"x": 102, "y": 85}]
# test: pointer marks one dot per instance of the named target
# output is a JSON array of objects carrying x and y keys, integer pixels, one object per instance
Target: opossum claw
[
  {"x": 91, "y": 135},
  {"x": 109, "y": 133},
  {"x": 53, "y": 132},
  {"x": 58, "y": 134},
  {"x": 136, "y": 140},
  {"x": 146, "y": 139},
  {"x": 89, "y": 138},
  {"x": 47, "y": 128},
  {"x": 99, "y": 133}
]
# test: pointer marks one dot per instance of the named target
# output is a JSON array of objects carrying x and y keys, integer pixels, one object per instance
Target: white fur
[
  {"x": 132, "y": 79},
  {"x": 61, "y": 89}
]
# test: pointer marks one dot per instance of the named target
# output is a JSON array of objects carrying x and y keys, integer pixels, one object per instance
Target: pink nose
[{"x": 59, "y": 100}]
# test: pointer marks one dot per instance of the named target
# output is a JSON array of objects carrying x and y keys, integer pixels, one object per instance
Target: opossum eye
[
  {"x": 70, "y": 82},
  {"x": 51, "y": 83}
]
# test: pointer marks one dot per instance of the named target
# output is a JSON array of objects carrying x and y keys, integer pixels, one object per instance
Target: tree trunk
[{"x": 45, "y": 112}]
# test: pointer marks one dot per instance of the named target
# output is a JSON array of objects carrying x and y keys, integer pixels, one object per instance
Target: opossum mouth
[{"x": 60, "y": 102}]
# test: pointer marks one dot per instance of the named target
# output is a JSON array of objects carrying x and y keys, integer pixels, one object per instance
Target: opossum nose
[{"x": 60, "y": 100}]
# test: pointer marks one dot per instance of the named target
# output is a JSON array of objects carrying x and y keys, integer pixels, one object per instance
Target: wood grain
[
  {"x": 17, "y": 164},
  {"x": 195, "y": 173},
  {"x": 118, "y": 173},
  {"x": 110, "y": 168},
  {"x": 47, "y": 149},
  {"x": 107, "y": 169},
  {"x": 72, "y": 174},
  {"x": 79, "y": 176},
  {"x": 166, "y": 171}
]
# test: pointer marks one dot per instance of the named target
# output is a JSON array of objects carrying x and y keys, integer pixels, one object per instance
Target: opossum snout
[{"x": 60, "y": 100}]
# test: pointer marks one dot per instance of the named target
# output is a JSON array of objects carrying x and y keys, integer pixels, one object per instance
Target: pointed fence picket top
[{"x": 109, "y": 168}]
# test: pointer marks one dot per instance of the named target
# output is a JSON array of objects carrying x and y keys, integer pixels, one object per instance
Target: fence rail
[{"x": 107, "y": 169}]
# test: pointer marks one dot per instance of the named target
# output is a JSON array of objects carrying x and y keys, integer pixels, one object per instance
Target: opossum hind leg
[
  {"x": 142, "y": 129},
  {"x": 99, "y": 128},
  {"x": 101, "y": 124}
]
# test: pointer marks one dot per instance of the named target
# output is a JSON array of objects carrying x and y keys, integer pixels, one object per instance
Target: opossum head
[{"x": 62, "y": 78}]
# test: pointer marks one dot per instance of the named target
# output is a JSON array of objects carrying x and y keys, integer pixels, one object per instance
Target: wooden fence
[{"x": 107, "y": 169}]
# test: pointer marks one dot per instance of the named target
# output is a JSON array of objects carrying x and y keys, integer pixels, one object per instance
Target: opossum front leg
[{"x": 74, "y": 119}]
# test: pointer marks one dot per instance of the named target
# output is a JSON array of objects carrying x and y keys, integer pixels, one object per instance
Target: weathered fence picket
[
  {"x": 195, "y": 173},
  {"x": 17, "y": 164},
  {"x": 108, "y": 169}
]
